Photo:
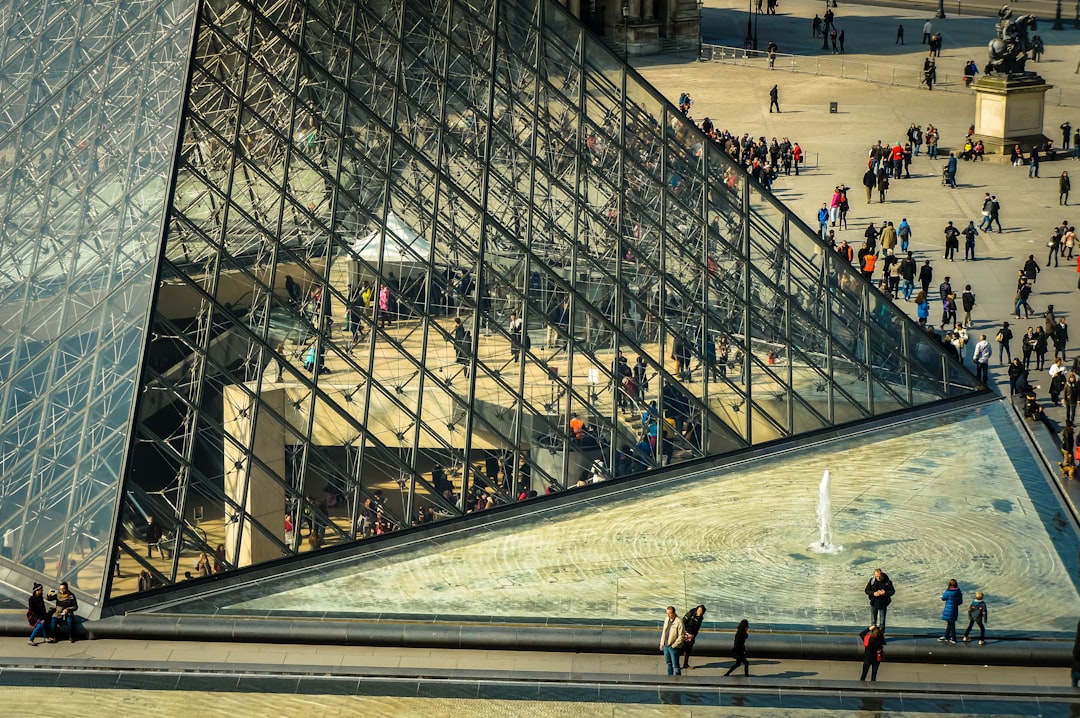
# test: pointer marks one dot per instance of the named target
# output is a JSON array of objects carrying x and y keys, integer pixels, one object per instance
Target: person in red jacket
[{"x": 897, "y": 156}]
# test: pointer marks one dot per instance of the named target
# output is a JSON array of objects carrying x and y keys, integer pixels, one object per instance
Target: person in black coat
[
  {"x": 1016, "y": 371},
  {"x": 879, "y": 589},
  {"x": 739, "y": 649},
  {"x": 37, "y": 615},
  {"x": 691, "y": 624},
  {"x": 926, "y": 275}
]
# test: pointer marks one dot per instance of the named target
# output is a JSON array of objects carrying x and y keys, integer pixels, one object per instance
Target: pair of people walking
[{"x": 679, "y": 635}]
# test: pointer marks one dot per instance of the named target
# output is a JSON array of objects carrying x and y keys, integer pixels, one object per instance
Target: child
[{"x": 977, "y": 615}]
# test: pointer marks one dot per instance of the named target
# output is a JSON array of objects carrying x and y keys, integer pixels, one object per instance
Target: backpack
[{"x": 905, "y": 231}]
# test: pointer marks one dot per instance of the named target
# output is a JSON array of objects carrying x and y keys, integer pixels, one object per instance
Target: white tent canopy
[{"x": 402, "y": 245}]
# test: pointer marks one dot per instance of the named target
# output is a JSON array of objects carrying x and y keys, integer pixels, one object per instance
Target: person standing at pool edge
[
  {"x": 879, "y": 589},
  {"x": 671, "y": 640}
]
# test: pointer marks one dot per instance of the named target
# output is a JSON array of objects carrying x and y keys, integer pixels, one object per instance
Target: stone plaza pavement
[
  {"x": 735, "y": 97},
  {"x": 166, "y": 677}
]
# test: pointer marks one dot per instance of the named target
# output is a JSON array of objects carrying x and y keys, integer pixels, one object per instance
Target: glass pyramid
[{"x": 323, "y": 270}]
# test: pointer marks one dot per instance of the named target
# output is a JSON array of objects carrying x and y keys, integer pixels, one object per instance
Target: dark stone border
[{"x": 692, "y": 690}]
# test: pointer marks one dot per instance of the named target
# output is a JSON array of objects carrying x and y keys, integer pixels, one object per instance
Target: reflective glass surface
[
  {"x": 92, "y": 98},
  {"x": 428, "y": 258},
  {"x": 407, "y": 261}
]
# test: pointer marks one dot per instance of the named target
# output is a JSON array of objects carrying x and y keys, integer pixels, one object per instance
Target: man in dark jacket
[
  {"x": 926, "y": 275},
  {"x": 1061, "y": 338},
  {"x": 879, "y": 589},
  {"x": 1031, "y": 269},
  {"x": 907, "y": 273},
  {"x": 871, "y": 235}
]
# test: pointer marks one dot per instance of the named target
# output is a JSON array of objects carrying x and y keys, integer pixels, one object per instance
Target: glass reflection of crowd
[{"x": 663, "y": 163}]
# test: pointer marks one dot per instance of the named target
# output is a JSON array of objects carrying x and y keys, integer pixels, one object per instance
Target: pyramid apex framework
[{"x": 289, "y": 276}]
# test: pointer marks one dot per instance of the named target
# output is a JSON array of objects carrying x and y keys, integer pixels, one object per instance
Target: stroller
[{"x": 945, "y": 180}]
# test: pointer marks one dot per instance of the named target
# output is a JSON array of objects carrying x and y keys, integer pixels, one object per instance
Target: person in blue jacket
[{"x": 953, "y": 598}]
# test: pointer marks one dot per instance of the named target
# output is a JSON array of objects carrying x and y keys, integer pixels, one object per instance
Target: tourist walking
[
  {"x": 1042, "y": 340},
  {"x": 952, "y": 241},
  {"x": 970, "y": 233},
  {"x": 985, "y": 222},
  {"x": 739, "y": 650},
  {"x": 1060, "y": 335},
  {"x": 995, "y": 214},
  {"x": 903, "y": 232},
  {"x": 907, "y": 273},
  {"x": 981, "y": 356},
  {"x": 873, "y": 641},
  {"x": 1004, "y": 336},
  {"x": 977, "y": 616},
  {"x": 926, "y": 275},
  {"x": 967, "y": 300},
  {"x": 899, "y": 35},
  {"x": 691, "y": 625},
  {"x": 1016, "y": 372},
  {"x": 1022, "y": 295},
  {"x": 774, "y": 98},
  {"x": 1064, "y": 185},
  {"x": 672, "y": 636},
  {"x": 1033, "y": 162},
  {"x": 953, "y": 598}
]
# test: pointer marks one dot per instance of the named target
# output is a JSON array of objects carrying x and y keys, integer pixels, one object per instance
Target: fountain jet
[{"x": 824, "y": 543}]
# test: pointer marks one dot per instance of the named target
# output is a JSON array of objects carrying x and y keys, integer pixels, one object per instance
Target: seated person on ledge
[{"x": 1032, "y": 409}]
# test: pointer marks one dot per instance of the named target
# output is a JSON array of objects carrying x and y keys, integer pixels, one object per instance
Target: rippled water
[{"x": 953, "y": 496}]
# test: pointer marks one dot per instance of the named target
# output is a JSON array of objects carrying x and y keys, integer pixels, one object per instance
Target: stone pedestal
[{"x": 1009, "y": 111}]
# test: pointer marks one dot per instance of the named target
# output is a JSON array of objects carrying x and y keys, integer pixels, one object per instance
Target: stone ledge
[{"x": 909, "y": 648}]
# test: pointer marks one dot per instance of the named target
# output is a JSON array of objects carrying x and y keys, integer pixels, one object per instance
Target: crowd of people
[{"x": 764, "y": 159}]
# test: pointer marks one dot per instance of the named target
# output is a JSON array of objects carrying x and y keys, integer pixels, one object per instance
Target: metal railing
[{"x": 841, "y": 67}]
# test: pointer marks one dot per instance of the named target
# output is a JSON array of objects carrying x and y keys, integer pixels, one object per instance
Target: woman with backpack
[
  {"x": 691, "y": 625},
  {"x": 873, "y": 651}
]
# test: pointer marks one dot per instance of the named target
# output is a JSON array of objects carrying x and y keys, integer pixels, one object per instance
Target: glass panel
[{"x": 87, "y": 150}]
